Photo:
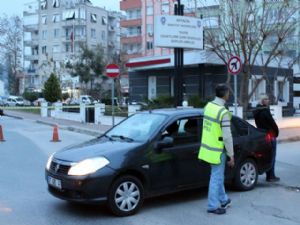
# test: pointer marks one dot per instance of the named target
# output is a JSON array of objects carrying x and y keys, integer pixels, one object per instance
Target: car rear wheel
[
  {"x": 126, "y": 196},
  {"x": 246, "y": 175}
]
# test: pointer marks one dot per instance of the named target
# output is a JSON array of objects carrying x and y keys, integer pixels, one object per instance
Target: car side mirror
[{"x": 166, "y": 142}]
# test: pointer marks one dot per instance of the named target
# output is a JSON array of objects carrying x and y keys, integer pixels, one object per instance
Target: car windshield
[
  {"x": 19, "y": 99},
  {"x": 138, "y": 127}
]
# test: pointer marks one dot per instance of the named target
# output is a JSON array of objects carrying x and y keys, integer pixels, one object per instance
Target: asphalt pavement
[{"x": 289, "y": 126}]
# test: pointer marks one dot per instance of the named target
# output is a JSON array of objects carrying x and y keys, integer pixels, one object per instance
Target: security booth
[{"x": 150, "y": 77}]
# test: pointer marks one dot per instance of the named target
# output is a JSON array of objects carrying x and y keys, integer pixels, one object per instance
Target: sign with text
[{"x": 178, "y": 32}]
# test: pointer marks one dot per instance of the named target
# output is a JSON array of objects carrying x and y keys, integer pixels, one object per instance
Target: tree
[
  {"x": 52, "y": 90},
  {"x": 30, "y": 96},
  {"x": 11, "y": 49},
  {"x": 88, "y": 66},
  {"x": 254, "y": 30}
]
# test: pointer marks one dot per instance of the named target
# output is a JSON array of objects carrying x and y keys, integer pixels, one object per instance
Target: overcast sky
[{"x": 15, "y": 7}]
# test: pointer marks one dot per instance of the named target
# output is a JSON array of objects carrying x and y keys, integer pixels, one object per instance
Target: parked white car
[{"x": 15, "y": 101}]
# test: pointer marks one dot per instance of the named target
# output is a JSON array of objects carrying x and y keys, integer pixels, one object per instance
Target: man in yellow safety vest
[{"x": 216, "y": 143}]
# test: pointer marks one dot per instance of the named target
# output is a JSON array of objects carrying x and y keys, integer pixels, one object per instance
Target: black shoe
[
  {"x": 226, "y": 204},
  {"x": 218, "y": 211},
  {"x": 273, "y": 179}
]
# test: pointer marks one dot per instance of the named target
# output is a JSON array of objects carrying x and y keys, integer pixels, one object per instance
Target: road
[{"x": 24, "y": 199}]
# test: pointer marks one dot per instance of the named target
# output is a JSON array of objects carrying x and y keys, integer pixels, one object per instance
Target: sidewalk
[
  {"x": 289, "y": 126},
  {"x": 85, "y": 128}
]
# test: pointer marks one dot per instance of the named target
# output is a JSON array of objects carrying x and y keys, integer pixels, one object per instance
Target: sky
[{"x": 15, "y": 7}]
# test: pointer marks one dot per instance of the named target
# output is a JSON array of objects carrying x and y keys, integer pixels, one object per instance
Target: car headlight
[
  {"x": 49, "y": 161},
  {"x": 88, "y": 166}
]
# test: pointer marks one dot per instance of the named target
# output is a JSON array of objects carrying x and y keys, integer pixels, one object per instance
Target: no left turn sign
[{"x": 234, "y": 65}]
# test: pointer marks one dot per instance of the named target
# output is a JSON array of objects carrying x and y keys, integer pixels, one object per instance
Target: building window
[
  {"x": 55, "y": 49},
  {"x": 44, "y": 49},
  {"x": 133, "y": 14},
  {"x": 149, "y": 45},
  {"x": 56, "y": 33},
  {"x": 70, "y": 14},
  {"x": 68, "y": 47},
  {"x": 82, "y": 14},
  {"x": 94, "y": 18},
  {"x": 103, "y": 36},
  {"x": 43, "y": 5},
  {"x": 150, "y": 10},
  {"x": 104, "y": 20},
  {"x": 93, "y": 33},
  {"x": 44, "y": 34},
  {"x": 150, "y": 30},
  {"x": 44, "y": 19},
  {"x": 80, "y": 31},
  {"x": 281, "y": 90},
  {"x": 55, "y": 3},
  {"x": 261, "y": 88},
  {"x": 55, "y": 18},
  {"x": 165, "y": 8}
]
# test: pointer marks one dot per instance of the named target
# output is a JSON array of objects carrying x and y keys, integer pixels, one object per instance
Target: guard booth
[{"x": 90, "y": 114}]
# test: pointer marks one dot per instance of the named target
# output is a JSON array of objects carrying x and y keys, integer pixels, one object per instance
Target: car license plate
[{"x": 54, "y": 182}]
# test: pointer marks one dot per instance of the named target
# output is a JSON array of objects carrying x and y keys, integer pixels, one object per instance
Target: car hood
[{"x": 95, "y": 148}]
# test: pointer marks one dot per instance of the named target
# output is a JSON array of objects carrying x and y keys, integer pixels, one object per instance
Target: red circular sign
[
  {"x": 234, "y": 65},
  {"x": 112, "y": 70}
]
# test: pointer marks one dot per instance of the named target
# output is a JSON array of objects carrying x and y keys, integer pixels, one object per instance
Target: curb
[
  {"x": 72, "y": 128},
  {"x": 15, "y": 117},
  {"x": 287, "y": 140}
]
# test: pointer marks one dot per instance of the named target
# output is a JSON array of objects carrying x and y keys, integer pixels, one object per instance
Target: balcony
[
  {"x": 131, "y": 23},
  {"x": 74, "y": 22},
  {"x": 131, "y": 40},
  {"x": 33, "y": 42},
  {"x": 76, "y": 38},
  {"x": 32, "y": 27},
  {"x": 31, "y": 57},
  {"x": 31, "y": 71},
  {"x": 130, "y": 4}
]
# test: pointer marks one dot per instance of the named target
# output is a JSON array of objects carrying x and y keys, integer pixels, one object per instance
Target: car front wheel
[
  {"x": 126, "y": 196},
  {"x": 246, "y": 175}
]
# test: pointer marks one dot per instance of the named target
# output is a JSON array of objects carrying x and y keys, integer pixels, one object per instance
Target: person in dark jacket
[{"x": 264, "y": 120}]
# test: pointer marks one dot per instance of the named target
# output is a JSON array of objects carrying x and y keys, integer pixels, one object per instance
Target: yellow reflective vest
[{"x": 212, "y": 144}]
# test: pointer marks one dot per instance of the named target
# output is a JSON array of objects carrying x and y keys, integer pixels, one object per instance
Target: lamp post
[{"x": 178, "y": 62}]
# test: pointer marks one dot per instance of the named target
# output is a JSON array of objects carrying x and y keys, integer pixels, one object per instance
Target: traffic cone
[
  {"x": 55, "y": 134},
  {"x": 1, "y": 135}
]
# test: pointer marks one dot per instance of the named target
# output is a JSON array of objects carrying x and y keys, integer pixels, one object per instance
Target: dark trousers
[{"x": 271, "y": 172}]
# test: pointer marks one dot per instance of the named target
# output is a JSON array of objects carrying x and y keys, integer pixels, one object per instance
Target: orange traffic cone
[
  {"x": 1, "y": 135},
  {"x": 55, "y": 134}
]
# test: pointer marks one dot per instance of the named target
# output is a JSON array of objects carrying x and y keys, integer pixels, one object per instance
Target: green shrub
[
  {"x": 162, "y": 101},
  {"x": 31, "y": 96},
  {"x": 197, "y": 102}
]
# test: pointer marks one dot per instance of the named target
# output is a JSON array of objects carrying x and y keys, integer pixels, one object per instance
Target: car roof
[{"x": 180, "y": 111}]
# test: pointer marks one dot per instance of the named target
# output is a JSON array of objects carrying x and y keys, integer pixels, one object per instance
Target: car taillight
[{"x": 269, "y": 137}]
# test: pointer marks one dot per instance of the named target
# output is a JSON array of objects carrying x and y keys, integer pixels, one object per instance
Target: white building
[{"x": 53, "y": 32}]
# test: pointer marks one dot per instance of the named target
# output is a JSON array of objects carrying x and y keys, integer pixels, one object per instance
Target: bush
[
  {"x": 162, "y": 101},
  {"x": 31, "y": 96},
  {"x": 197, "y": 102}
]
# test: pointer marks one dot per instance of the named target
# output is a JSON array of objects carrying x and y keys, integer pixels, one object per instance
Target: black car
[{"x": 148, "y": 154}]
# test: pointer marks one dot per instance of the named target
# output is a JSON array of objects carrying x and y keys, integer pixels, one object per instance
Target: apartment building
[
  {"x": 53, "y": 32},
  {"x": 137, "y": 39}
]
